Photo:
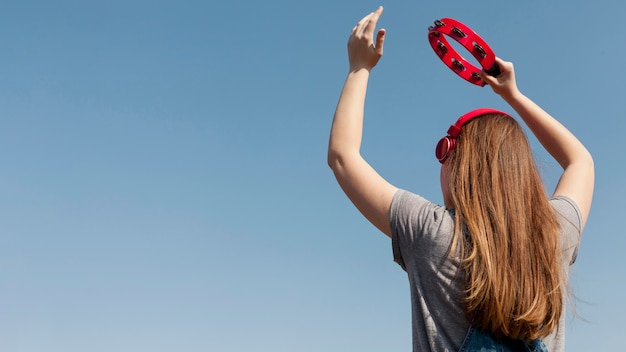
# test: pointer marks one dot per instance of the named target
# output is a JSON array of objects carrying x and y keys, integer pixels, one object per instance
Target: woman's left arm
[{"x": 368, "y": 191}]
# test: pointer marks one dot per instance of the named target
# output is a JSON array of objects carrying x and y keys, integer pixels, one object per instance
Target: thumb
[{"x": 380, "y": 41}]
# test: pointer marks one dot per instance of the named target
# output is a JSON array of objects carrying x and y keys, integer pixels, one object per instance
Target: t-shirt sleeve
[
  {"x": 412, "y": 219},
  {"x": 400, "y": 219},
  {"x": 571, "y": 224}
]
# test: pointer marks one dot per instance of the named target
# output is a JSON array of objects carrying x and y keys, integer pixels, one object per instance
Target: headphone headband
[
  {"x": 447, "y": 143},
  {"x": 455, "y": 129}
]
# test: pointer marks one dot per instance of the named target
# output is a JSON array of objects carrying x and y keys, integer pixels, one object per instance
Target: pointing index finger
[
  {"x": 368, "y": 23},
  {"x": 373, "y": 18}
]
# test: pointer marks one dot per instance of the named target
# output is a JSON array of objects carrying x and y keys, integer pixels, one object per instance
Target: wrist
[
  {"x": 512, "y": 95},
  {"x": 360, "y": 69},
  {"x": 358, "y": 75}
]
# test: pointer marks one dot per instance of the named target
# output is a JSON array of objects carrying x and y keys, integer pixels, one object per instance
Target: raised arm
[
  {"x": 367, "y": 190},
  {"x": 577, "y": 179}
]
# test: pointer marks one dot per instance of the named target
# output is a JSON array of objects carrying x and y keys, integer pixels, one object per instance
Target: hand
[
  {"x": 362, "y": 51},
  {"x": 504, "y": 84}
]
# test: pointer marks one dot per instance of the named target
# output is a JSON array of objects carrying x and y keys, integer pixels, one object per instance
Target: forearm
[
  {"x": 558, "y": 141},
  {"x": 347, "y": 127},
  {"x": 367, "y": 190},
  {"x": 577, "y": 180}
]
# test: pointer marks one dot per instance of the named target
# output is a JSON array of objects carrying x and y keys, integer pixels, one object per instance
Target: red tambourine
[{"x": 470, "y": 41}]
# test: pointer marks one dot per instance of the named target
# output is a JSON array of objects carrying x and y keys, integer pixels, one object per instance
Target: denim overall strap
[{"x": 477, "y": 340}]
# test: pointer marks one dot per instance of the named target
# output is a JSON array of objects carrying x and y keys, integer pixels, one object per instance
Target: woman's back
[{"x": 422, "y": 236}]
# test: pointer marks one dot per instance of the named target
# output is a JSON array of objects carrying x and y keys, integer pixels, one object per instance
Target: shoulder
[
  {"x": 410, "y": 209},
  {"x": 418, "y": 224}
]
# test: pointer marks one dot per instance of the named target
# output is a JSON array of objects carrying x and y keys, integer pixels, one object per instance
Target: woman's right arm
[{"x": 577, "y": 179}]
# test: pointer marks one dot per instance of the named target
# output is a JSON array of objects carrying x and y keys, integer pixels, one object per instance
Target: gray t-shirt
[{"x": 421, "y": 238}]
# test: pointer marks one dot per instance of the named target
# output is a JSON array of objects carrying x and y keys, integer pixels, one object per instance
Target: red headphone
[
  {"x": 447, "y": 143},
  {"x": 470, "y": 41}
]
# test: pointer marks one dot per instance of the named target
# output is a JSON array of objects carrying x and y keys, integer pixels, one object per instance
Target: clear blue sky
[{"x": 163, "y": 181}]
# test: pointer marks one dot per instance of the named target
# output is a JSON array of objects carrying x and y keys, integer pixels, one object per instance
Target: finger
[
  {"x": 505, "y": 66},
  {"x": 490, "y": 80},
  {"x": 367, "y": 17},
  {"x": 354, "y": 29},
  {"x": 380, "y": 41},
  {"x": 357, "y": 30},
  {"x": 376, "y": 15},
  {"x": 362, "y": 25},
  {"x": 370, "y": 26},
  {"x": 500, "y": 61}
]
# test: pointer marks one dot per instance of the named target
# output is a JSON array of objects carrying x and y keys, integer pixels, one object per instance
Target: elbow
[
  {"x": 333, "y": 159},
  {"x": 590, "y": 161},
  {"x": 582, "y": 158},
  {"x": 582, "y": 162},
  {"x": 590, "y": 158},
  {"x": 590, "y": 164},
  {"x": 587, "y": 160},
  {"x": 338, "y": 159}
]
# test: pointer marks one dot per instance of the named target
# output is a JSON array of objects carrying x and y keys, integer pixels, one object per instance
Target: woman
[{"x": 488, "y": 271}]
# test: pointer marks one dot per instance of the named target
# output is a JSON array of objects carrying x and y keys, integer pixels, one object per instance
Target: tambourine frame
[{"x": 472, "y": 42}]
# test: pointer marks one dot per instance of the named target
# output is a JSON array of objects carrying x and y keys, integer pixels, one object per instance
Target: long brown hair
[{"x": 509, "y": 233}]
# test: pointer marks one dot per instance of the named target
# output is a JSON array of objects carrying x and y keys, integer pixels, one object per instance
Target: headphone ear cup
[
  {"x": 452, "y": 144},
  {"x": 444, "y": 147}
]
